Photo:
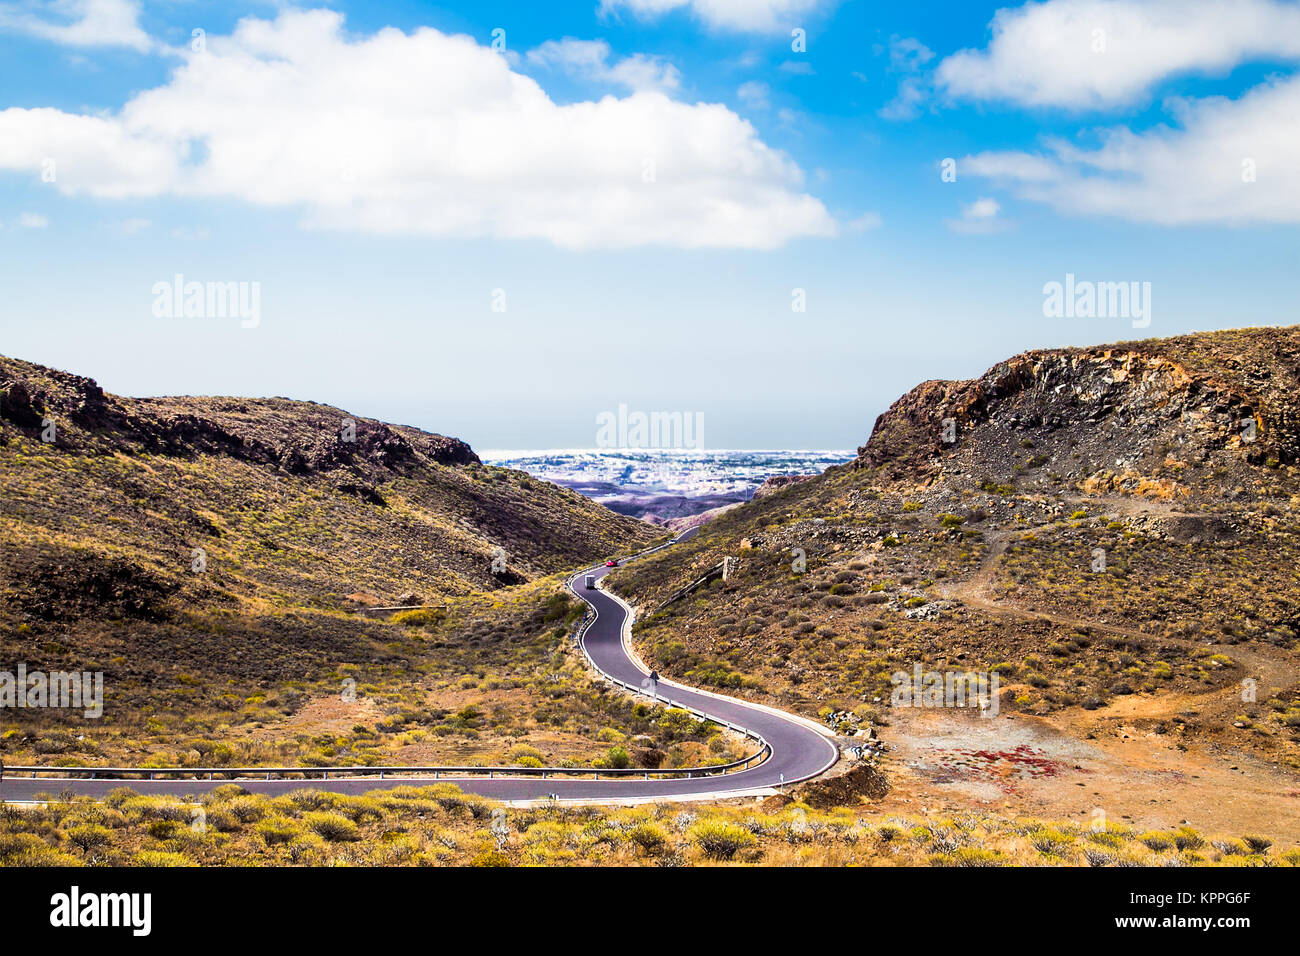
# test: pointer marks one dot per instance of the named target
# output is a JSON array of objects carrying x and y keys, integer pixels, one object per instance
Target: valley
[{"x": 1103, "y": 535}]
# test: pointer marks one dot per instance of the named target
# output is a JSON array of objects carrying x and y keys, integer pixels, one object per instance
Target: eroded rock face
[
  {"x": 17, "y": 405},
  {"x": 26, "y": 398},
  {"x": 1117, "y": 419},
  {"x": 448, "y": 451}
]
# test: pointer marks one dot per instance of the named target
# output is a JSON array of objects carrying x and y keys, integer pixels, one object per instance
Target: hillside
[
  {"x": 210, "y": 555},
  {"x": 1106, "y": 533},
  {"x": 287, "y": 510}
]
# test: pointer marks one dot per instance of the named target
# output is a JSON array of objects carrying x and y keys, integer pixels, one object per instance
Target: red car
[{"x": 611, "y": 564}]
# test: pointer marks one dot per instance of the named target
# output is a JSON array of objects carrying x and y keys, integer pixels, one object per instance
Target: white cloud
[
  {"x": 980, "y": 217},
  {"x": 865, "y": 222},
  {"x": 423, "y": 134},
  {"x": 753, "y": 16},
  {"x": 1090, "y": 54},
  {"x": 1228, "y": 162},
  {"x": 188, "y": 234},
  {"x": 31, "y": 220},
  {"x": 1022, "y": 167},
  {"x": 907, "y": 56},
  {"x": 589, "y": 60},
  {"x": 906, "y": 104},
  {"x": 754, "y": 94},
  {"x": 78, "y": 23}
]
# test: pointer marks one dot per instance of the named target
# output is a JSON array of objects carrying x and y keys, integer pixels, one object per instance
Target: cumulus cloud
[
  {"x": 423, "y": 134},
  {"x": 754, "y": 16},
  {"x": 589, "y": 60},
  {"x": 78, "y": 23},
  {"x": 1090, "y": 54},
  {"x": 979, "y": 218},
  {"x": 1227, "y": 162}
]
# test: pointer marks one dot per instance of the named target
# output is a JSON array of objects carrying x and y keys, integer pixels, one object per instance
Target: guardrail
[
  {"x": 324, "y": 773},
  {"x": 439, "y": 772},
  {"x": 764, "y": 747},
  {"x": 712, "y": 574}
]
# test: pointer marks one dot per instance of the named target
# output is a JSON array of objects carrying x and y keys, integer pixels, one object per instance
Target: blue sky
[{"x": 643, "y": 184}]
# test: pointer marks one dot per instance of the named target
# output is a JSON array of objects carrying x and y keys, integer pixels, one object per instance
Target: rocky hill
[
  {"x": 293, "y": 501},
  {"x": 143, "y": 523},
  {"x": 215, "y": 557},
  {"x": 1114, "y": 531},
  {"x": 1188, "y": 414}
]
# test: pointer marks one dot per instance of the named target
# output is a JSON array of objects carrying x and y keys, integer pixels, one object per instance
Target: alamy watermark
[
  {"x": 656, "y": 430},
  {"x": 73, "y": 909},
  {"x": 922, "y": 688},
  {"x": 179, "y": 299},
  {"x": 63, "y": 690},
  {"x": 1084, "y": 299}
]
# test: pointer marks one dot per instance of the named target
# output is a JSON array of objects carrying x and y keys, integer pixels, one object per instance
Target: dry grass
[{"x": 441, "y": 826}]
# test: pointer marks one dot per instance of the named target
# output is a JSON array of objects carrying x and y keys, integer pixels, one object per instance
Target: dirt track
[{"x": 1124, "y": 760}]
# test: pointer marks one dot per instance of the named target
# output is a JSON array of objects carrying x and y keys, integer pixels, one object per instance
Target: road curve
[{"x": 799, "y": 749}]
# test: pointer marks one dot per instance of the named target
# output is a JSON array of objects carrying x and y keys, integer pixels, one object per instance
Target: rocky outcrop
[
  {"x": 300, "y": 438},
  {"x": 1116, "y": 416},
  {"x": 18, "y": 406},
  {"x": 440, "y": 448}
]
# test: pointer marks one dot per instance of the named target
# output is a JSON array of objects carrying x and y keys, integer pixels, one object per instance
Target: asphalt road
[{"x": 798, "y": 750}]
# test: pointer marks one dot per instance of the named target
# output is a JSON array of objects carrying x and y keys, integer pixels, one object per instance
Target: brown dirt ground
[
  {"x": 947, "y": 760},
  {"x": 1077, "y": 764}
]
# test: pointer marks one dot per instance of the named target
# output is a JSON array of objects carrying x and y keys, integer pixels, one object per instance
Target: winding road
[{"x": 800, "y": 749}]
